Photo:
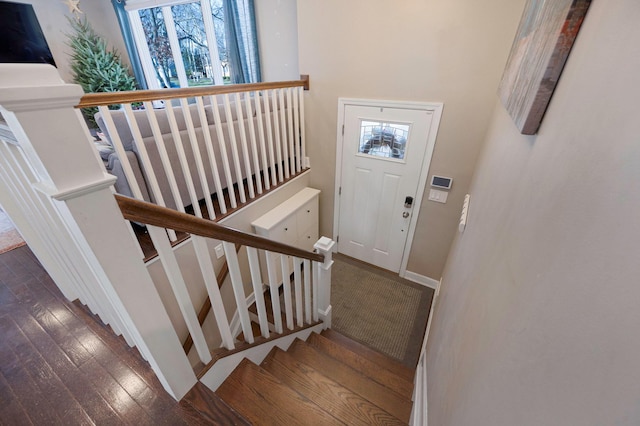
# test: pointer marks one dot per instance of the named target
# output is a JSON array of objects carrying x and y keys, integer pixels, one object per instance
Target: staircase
[{"x": 329, "y": 379}]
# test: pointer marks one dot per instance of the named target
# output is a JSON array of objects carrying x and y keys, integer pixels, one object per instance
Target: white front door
[{"x": 384, "y": 157}]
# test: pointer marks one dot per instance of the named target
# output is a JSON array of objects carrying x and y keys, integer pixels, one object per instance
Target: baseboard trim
[{"x": 421, "y": 279}]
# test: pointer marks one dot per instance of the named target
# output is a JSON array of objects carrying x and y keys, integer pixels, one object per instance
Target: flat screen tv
[{"x": 21, "y": 37}]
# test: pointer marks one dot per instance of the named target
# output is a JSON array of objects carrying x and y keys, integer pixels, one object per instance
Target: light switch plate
[
  {"x": 438, "y": 196},
  {"x": 219, "y": 251}
]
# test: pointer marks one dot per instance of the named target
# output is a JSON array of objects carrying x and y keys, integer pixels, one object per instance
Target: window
[
  {"x": 383, "y": 139},
  {"x": 183, "y": 43}
]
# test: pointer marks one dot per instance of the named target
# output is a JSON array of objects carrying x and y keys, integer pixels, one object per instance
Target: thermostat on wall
[{"x": 441, "y": 182}]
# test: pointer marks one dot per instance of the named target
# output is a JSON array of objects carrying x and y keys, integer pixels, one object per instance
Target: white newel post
[
  {"x": 57, "y": 192},
  {"x": 323, "y": 274}
]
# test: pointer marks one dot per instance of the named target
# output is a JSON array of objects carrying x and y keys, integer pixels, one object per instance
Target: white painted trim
[
  {"x": 421, "y": 279},
  {"x": 176, "y": 52},
  {"x": 77, "y": 191},
  {"x": 143, "y": 49},
  {"x": 419, "y": 412},
  {"x": 436, "y": 108},
  {"x": 212, "y": 42},
  {"x": 223, "y": 367},
  {"x": 146, "y": 4}
]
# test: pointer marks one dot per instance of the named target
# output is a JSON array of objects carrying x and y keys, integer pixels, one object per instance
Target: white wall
[
  {"x": 52, "y": 15},
  {"x": 450, "y": 51},
  {"x": 277, "y": 28},
  {"x": 538, "y": 317}
]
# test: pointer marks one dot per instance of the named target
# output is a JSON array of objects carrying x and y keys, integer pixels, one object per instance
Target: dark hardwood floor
[{"x": 61, "y": 365}]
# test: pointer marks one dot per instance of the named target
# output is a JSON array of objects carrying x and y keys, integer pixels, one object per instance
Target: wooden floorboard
[
  {"x": 359, "y": 363},
  {"x": 60, "y": 365},
  {"x": 378, "y": 357},
  {"x": 263, "y": 399},
  {"x": 212, "y": 407},
  {"x": 326, "y": 393},
  {"x": 381, "y": 396}
]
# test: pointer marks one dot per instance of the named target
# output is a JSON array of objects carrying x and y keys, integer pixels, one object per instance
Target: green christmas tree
[{"x": 94, "y": 67}]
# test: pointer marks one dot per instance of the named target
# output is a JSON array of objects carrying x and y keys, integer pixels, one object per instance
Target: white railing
[
  {"x": 229, "y": 144},
  {"x": 55, "y": 189},
  {"x": 303, "y": 304}
]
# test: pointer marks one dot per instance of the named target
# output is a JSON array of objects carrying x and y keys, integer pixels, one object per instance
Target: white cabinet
[{"x": 294, "y": 222}]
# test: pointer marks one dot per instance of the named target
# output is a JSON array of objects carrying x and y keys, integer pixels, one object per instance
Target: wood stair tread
[
  {"x": 385, "y": 398},
  {"x": 213, "y": 409},
  {"x": 264, "y": 399},
  {"x": 379, "y": 358},
  {"x": 369, "y": 368},
  {"x": 331, "y": 396}
]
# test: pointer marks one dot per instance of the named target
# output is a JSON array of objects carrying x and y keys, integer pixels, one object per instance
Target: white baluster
[
  {"x": 268, "y": 114},
  {"x": 211, "y": 153},
  {"x": 303, "y": 143},
  {"x": 213, "y": 289},
  {"x": 297, "y": 263},
  {"x": 238, "y": 290},
  {"x": 296, "y": 128},
  {"x": 273, "y": 288},
  {"x": 234, "y": 149},
  {"x": 254, "y": 145},
  {"x": 276, "y": 131},
  {"x": 170, "y": 265},
  {"x": 182, "y": 156},
  {"x": 195, "y": 147},
  {"x": 307, "y": 290},
  {"x": 286, "y": 286},
  {"x": 223, "y": 151},
  {"x": 256, "y": 280},
  {"x": 164, "y": 156},
  {"x": 292, "y": 150},
  {"x": 261, "y": 134},
  {"x": 122, "y": 155},
  {"x": 243, "y": 141},
  {"x": 283, "y": 131}
]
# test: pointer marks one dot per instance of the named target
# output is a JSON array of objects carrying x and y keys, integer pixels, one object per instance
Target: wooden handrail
[
  {"x": 113, "y": 98},
  {"x": 152, "y": 214}
]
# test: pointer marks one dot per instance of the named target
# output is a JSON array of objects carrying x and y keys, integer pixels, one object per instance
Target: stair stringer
[{"x": 219, "y": 371}]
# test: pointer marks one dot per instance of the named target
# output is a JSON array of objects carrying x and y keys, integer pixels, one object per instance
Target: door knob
[{"x": 405, "y": 214}]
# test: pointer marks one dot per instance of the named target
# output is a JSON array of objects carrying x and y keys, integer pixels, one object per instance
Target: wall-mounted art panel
[{"x": 542, "y": 44}]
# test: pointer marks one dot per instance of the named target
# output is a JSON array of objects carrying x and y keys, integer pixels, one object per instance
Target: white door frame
[{"x": 436, "y": 109}]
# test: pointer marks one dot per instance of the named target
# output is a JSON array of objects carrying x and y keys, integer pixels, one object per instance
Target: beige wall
[
  {"x": 277, "y": 28},
  {"x": 450, "y": 51},
  {"x": 52, "y": 17},
  {"x": 538, "y": 317}
]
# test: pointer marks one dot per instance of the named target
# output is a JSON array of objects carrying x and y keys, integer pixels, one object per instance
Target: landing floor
[{"x": 60, "y": 365}]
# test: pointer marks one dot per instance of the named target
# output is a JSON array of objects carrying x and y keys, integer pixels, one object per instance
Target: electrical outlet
[{"x": 219, "y": 251}]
